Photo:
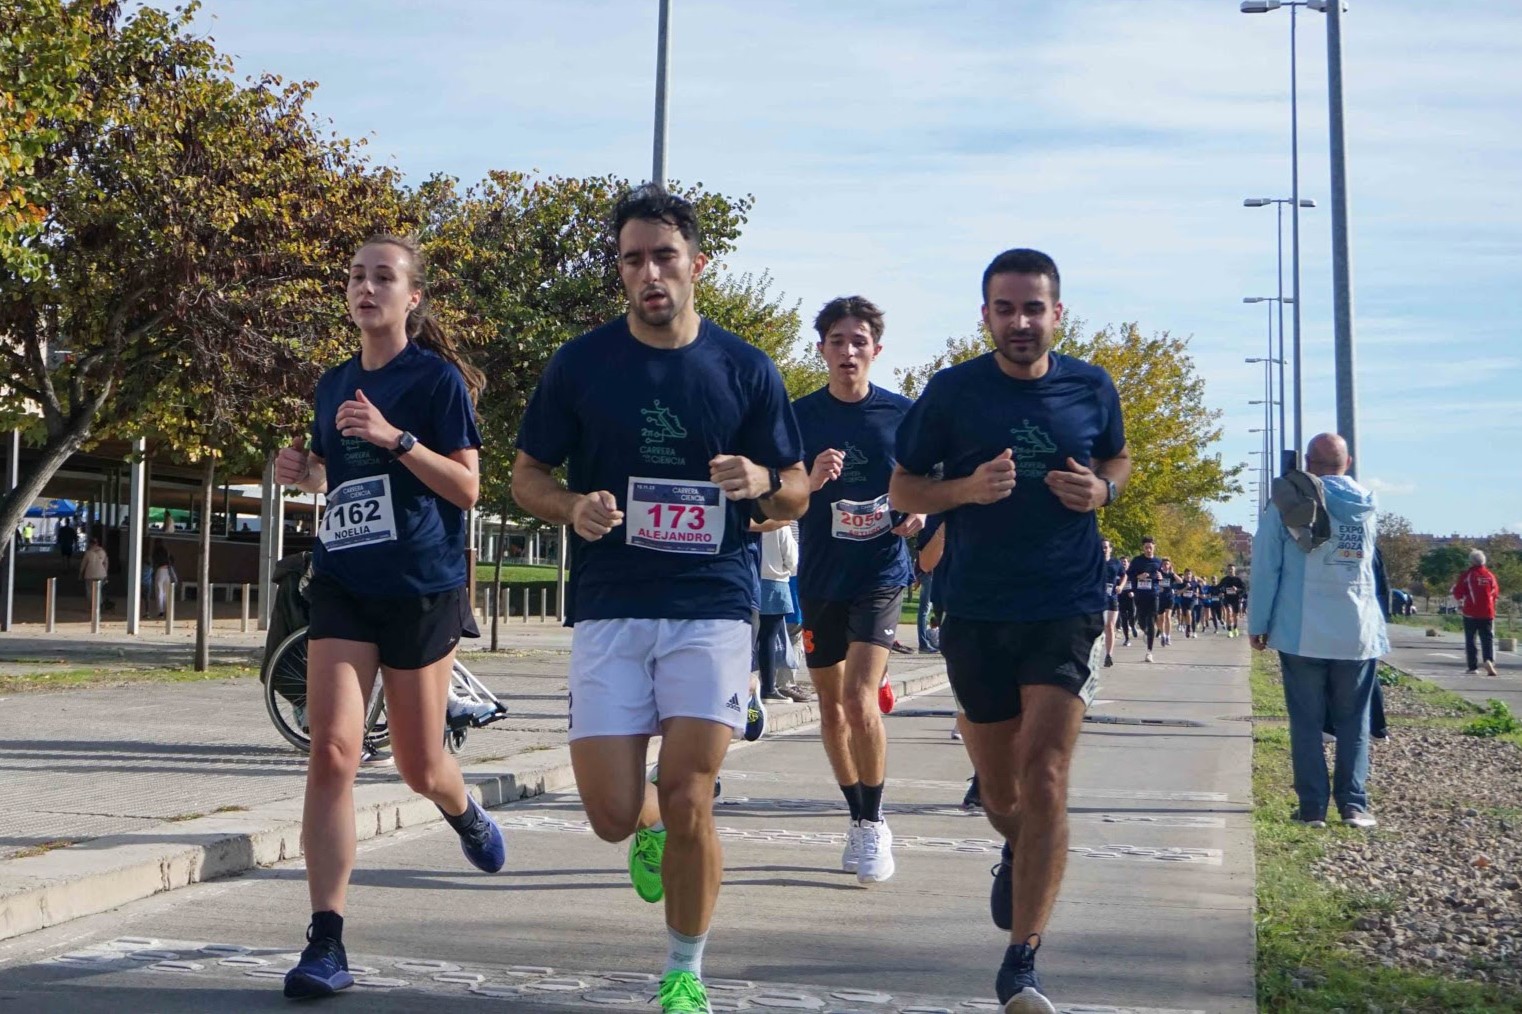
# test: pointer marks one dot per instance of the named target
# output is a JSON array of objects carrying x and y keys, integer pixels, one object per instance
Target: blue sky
[{"x": 894, "y": 146}]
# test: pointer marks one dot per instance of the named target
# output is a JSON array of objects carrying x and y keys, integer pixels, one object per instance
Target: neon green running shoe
[
  {"x": 645, "y": 851},
  {"x": 683, "y": 991}
]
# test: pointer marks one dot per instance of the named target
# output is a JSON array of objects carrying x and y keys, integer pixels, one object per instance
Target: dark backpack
[{"x": 1301, "y": 503}]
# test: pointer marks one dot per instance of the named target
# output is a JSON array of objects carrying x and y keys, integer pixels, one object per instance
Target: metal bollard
[
  {"x": 525, "y": 605},
  {"x": 95, "y": 606},
  {"x": 247, "y": 588},
  {"x": 50, "y": 605},
  {"x": 544, "y": 602},
  {"x": 174, "y": 589}
]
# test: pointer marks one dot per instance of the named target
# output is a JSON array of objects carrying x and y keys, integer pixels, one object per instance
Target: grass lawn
[
  {"x": 1300, "y": 964},
  {"x": 65, "y": 677},
  {"x": 1505, "y": 626},
  {"x": 515, "y": 573}
]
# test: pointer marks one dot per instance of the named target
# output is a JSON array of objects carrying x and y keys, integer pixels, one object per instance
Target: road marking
[
  {"x": 1166, "y": 795},
  {"x": 534, "y": 984}
]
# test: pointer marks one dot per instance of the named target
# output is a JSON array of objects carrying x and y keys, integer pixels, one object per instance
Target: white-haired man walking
[{"x": 1476, "y": 591}]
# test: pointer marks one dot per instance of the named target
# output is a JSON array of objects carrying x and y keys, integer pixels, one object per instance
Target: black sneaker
[
  {"x": 972, "y": 801},
  {"x": 1109, "y": 661},
  {"x": 1018, "y": 987},
  {"x": 1001, "y": 898},
  {"x": 322, "y": 971},
  {"x": 755, "y": 719}
]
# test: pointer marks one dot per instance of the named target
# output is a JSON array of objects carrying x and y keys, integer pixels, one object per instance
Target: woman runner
[{"x": 394, "y": 447}]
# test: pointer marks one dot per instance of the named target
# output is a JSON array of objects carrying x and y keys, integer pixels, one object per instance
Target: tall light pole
[
  {"x": 1291, "y": 456},
  {"x": 1281, "y": 300},
  {"x": 1342, "y": 281},
  {"x": 662, "y": 49},
  {"x": 1263, "y": 7}
]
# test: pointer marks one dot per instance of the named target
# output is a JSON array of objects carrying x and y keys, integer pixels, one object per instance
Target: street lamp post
[
  {"x": 1291, "y": 456},
  {"x": 662, "y": 49},
  {"x": 1264, "y": 7},
  {"x": 1283, "y": 399}
]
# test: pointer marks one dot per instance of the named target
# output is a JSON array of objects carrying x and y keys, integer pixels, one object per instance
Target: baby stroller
[{"x": 284, "y": 674}]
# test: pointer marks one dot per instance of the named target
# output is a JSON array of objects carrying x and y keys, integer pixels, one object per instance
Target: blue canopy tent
[{"x": 53, "y": 509}]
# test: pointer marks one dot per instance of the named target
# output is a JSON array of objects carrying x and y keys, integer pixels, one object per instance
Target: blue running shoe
[
  {"x": 1018, "y": 988},
  {"x": 1001, "y": 899},
  {"x": 322, "y": 971},
  {"x": 483, "y": 844},
  {"x": 755, "y": 718}
]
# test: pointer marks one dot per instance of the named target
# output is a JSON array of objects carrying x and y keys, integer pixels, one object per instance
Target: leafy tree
[
  {"x": 1503, "y": 555},
  {"x": 43, "y": 47},
  {"x": 1189, "y": 537},
  {"x": 1401, "y": 549},
  {"x": 194, "y": 252},
  {"x": 1168, "y": 425},
  {"x": 1440, "y": 566}
]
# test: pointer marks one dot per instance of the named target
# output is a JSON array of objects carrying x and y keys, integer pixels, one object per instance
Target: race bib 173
[
  {"x": 358, "y": 513},
  {"x": 675, "y": 516}
]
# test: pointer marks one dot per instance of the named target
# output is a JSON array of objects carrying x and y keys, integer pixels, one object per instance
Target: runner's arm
[
  {"x": 789, "y": 502},
  {"x": 537, "y": 491},
  {"x": 455, "y": 476},
  {"x": 930, "y": 554},
  {"x": 316, "y": 478},
  {"x": 922, "y": 494}
]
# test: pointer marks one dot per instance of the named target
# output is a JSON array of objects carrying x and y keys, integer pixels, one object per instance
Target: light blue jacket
[{"x": 1319, "y": 604}]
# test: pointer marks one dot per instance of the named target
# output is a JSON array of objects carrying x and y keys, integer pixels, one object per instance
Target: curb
[{"x": 105, "y": 873}]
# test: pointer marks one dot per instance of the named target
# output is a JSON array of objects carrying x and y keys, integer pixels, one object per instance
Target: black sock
[
  {"x": 327, "y": 926},
  {"x": 871, "y": 802},
  {"x": 853, "y": 799},
  {"x": 465, "y": 821}
]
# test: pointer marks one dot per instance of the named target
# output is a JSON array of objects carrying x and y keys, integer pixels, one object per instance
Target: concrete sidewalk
[
  {"x": 1440, "y": 660},
  {"x": 1156, "y": 912}
]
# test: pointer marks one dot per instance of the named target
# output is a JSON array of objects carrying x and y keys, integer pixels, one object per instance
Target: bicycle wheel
[
  {"x": 285, "y": 689},
  {"x": 285, "y": 697}
]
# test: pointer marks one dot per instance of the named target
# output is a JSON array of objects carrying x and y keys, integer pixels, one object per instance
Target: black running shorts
[
  {"x": 411, "y": 633},
  {"x": 830, "y": 626},
  {"x": 988, "y": 661}
]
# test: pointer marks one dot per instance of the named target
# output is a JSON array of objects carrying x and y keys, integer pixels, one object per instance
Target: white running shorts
[{"x": 628, "y": 675}]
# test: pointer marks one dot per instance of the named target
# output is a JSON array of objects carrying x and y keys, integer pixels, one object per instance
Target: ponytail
[{"x": 423, "y": 328}]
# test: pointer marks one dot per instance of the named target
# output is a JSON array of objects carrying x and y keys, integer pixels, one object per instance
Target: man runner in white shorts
[{"x": 674, "y": 431}]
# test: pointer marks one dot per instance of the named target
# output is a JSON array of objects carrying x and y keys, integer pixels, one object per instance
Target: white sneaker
[
  {"x": 850, "y": 859},
  {"x": 1148, "y": 658},
  {"x": 475, "y": 711},
  {"x": 876, "y": 862}
]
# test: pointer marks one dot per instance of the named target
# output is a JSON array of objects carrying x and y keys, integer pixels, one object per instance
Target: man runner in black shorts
[
  {"x": 1033, "y": 443},
  {"x": 1232, "y": 590}
]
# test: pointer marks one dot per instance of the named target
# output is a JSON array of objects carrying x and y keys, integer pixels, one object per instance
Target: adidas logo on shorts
[{"x": 734, "y": 702}]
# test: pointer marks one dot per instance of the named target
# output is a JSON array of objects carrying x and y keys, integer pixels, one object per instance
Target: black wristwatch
[
  {"x": 1110, "y": 491},
  {"x": 404, "y": 443},
  {"x": 774, "y": 483}
]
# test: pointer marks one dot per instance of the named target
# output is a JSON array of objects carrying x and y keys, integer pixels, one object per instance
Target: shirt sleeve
[
  {"x": 314, "y": 440},
  {"x": 1267, "y": 560},
  {"x": 1112, "y": 435},
  {"x": 550, "y": 427},
  {"x": 921, "y": 441},
  {"x": 454, "y": 421},
  {"x": 770, "y": 434}
]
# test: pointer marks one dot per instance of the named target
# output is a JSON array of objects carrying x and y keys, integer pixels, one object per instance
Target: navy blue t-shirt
[
  {"x": 1026, "y": 557},
  {"x": 386, "y": 534},
  {"x": 1112, "y": 571},
  {"x": 847, "y": 546},
  {"x": 642, "y": 421},
  {"x": 1146, "y": 574}
]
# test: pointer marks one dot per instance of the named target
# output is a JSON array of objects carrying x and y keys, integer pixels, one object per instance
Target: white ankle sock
[{"x": 685, "y": 953}]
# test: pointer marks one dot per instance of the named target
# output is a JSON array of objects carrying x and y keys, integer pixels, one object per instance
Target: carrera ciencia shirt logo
[
  {"x": 856, "y": 461},
  {"x": 1032, "y": 447},
  {"x": 660, "y": 425}
]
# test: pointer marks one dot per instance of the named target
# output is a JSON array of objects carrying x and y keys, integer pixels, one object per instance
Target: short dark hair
[
  {"x": 1147, "y": 538},
  {"x": 1023, "y": 261},
  {"x": 654, "y": 203},
  {"x": 841, "y": 307}
]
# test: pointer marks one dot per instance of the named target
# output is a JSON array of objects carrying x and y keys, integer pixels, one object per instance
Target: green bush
[{"x": 1496, "y": 721}]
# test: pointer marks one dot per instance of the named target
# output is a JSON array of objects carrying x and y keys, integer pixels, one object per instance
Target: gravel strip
[{"x": 1447, "y": 857}]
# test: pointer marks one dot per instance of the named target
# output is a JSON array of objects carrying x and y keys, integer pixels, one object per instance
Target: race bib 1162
[{"x": 358, "y": 513}]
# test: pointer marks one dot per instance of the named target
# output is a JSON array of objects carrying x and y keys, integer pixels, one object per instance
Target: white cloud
[{"x": 1388, "y": 487}]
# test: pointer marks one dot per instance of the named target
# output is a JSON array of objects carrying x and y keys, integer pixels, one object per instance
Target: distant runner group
[{"x": 679, "y": 448}]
